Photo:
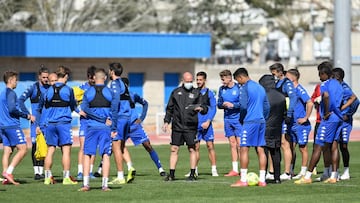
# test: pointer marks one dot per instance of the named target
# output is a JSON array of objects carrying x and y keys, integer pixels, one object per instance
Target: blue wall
[{"x": 104, "y": 45}]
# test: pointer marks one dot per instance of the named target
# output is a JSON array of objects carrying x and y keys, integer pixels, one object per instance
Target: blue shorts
[
  {"x": 284, "y": 128},
  {"x": 206, "y": 134},
  {"x": 83, "y": 127},
  {"x": 343, "y": 132},
  {"x": 232, "y": 127},
  {"x": 300, "y": 133},
  {"x": 252, "y": 134},
  {"x": 137, "y": 134},
  {"x": 12, "y": 137},
  {"x": 326, "y": 132},
  {"x": 33, "y": 132},
  {"x": 98, "y": 137},
  {"x": 58, "y": 134},
  {"x": 123, "y": 128}
]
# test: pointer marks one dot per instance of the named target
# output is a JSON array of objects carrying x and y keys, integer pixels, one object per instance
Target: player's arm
[
  {"x": 24, "y": 96},
  {"x": 212, "y": 108},
  {"x": 90, "y": 112},
  {"x": 243, "y": 103},
  {"x": 326, "y": 99},
  {"x": 13, "y": 110},
  {"x": 266, "y": 107},
  {"x": 114, "y": 109},
  {"x": 349, "y": 102},
  {"x": 169, "y": 109},
  {"x": 144, "y": 103},
  {"x": 290, "y": 90},
  {"x": 220, "y": 100},
  {"x": 204, "y": 108}
]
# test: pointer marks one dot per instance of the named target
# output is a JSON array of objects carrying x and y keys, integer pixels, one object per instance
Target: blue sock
[{"x": 155, "y": 158}]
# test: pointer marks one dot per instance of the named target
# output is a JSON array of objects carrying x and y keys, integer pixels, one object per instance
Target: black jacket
[
  {"x": 180, "y": 109},
  {"x": 277, "y": 112}
]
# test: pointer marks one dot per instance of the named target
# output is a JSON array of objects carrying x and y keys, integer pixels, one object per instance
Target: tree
[{"x": 69, "y": 15}]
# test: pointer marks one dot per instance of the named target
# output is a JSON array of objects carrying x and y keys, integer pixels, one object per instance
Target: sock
[
  {"x": 308, "y": 175},
  {"x": 326, "y": 171},
  {"x": 291, "y": 168},
  {"x": 172, "y": 172},
  {"x": 36, "y": 170},
  {"x": 154, "y": 156},
  {"x": 213, "y": 168},
  {"x": 346, "y": 170},
  {"x": 86, "y": 180},
  {"x": 243, "y": 173},
  {"x": 48, "y": 173},
  {"x": 161, "y": 170},
  {"x": 271, "y": 173},
  {"x": 41, "y": 170},
  {"x": 192, "y": 172},
  {"x": 99, "y": 170},
  {"x": 66, "y": 174},
  {"x": 303, "y": 170},
  {"x": 120, "y": 175},
  {"x": 91, "y": 167},
  {"x": 333, "y": 174},
  {"x": 196, "y": 169},
  {"x": 235, "y": 166},
  {"x": 80, "y": 168},
  {"x": 129, "y": 165},
  {"x": 9, "y": 170},
  {"x": 262, "y": 176},
  {"x": 105, "y": 182}
]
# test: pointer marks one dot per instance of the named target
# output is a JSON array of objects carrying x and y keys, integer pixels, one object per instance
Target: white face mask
[{"x": 188, "y": 85}]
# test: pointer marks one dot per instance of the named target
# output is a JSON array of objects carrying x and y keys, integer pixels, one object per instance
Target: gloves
[{"x": 288, "y": 120}]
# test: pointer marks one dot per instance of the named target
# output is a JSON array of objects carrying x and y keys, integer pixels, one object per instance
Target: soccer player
[
  {"x": 34, "y": 92},
  {"x": 301, "y": 127},
  {"x": 274, "y": 124},
  {"x": 228, "y": 99},
  {"x": 59, "y": 102},
  {"x": 182, "y": 111},
  {"x": 12, "y": 134},
  {"x": 137, "y": 133},
  {"x": 79, "y": 93},
  {"x": 205, "y": 129},
  {"x": 331, "y": 98},
  {"x": 122, "y": 97},
  {"x": 349, "y": 106},
  {"x": 285, "y": 86},
  {"x": 98, "y": 103},
  {"x": 254, "y": 102}
]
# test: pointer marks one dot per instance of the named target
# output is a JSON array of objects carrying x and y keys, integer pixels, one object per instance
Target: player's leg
[
  {"x": 285, "y": 146},
  {"x": 315, "y": 157},
  {"x": 92, "y": 161},
  {"x": 177, "y": 139},
  {"x": 106, "y": 172},
  {"x": 233, "y": 142},
  {"x": 334, "y": 161},
  {"x": 33, "y": 150},
  {"x": 262, "y": 165},
  {"x": 48, "y": 164},
  {"x": 118, "y": 157},
  {"x": 212, "y": 157},
  {"x": 65, "y": 142},
  {"x": 81, "y": 157},
  {"x": 343, "y": 145},
  {"x": 131, "y": 170},
  {"x": 154, "y": 157},
  {"x": 193, "y": 161}
]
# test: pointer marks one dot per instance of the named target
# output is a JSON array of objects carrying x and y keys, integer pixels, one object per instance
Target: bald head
[
  {"x": 52, "y": 78},
  {"x": 187, "y": 77}
]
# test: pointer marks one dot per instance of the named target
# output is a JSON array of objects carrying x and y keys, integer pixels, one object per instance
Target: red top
[{"x": 316, "y": 94}]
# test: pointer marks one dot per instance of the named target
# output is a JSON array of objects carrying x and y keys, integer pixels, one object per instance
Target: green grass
[{"x": 150, "y": 187}]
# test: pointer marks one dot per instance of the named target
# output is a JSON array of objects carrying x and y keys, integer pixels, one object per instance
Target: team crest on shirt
[
  {"x": 234, "y": 92},
  {"x": 179, "y": 93},
  {"x": 191, "y": 96}
]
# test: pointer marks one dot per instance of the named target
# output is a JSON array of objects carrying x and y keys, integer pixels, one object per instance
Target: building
[{"x": 152, "y": 62}]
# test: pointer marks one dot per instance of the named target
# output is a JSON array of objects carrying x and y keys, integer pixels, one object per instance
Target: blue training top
[
  {"x": 288, "y": 89},
  {"x": 145, "y": 105},
  {"x": 98, "y": 104},
  {"x": 254, "y": 102},
  {"x": 229, "y": 94},
  {"x": 9, "y": 113},
  {"x": 211, "y": 103},
  {"x": 118, "y": 88},
  {"x": 302, "y": 98},
  {"x": 34, "y": 94},
  {"x": 350, "y": 110},
  {"x": 336, "y": 92},
  {"x": 58, "y": 114}
]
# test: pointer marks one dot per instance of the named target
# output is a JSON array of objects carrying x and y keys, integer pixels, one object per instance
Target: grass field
[{"x": 150, "y": 187}]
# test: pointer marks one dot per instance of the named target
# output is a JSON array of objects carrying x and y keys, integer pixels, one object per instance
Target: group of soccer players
[{"x": 108, "y": 118}]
